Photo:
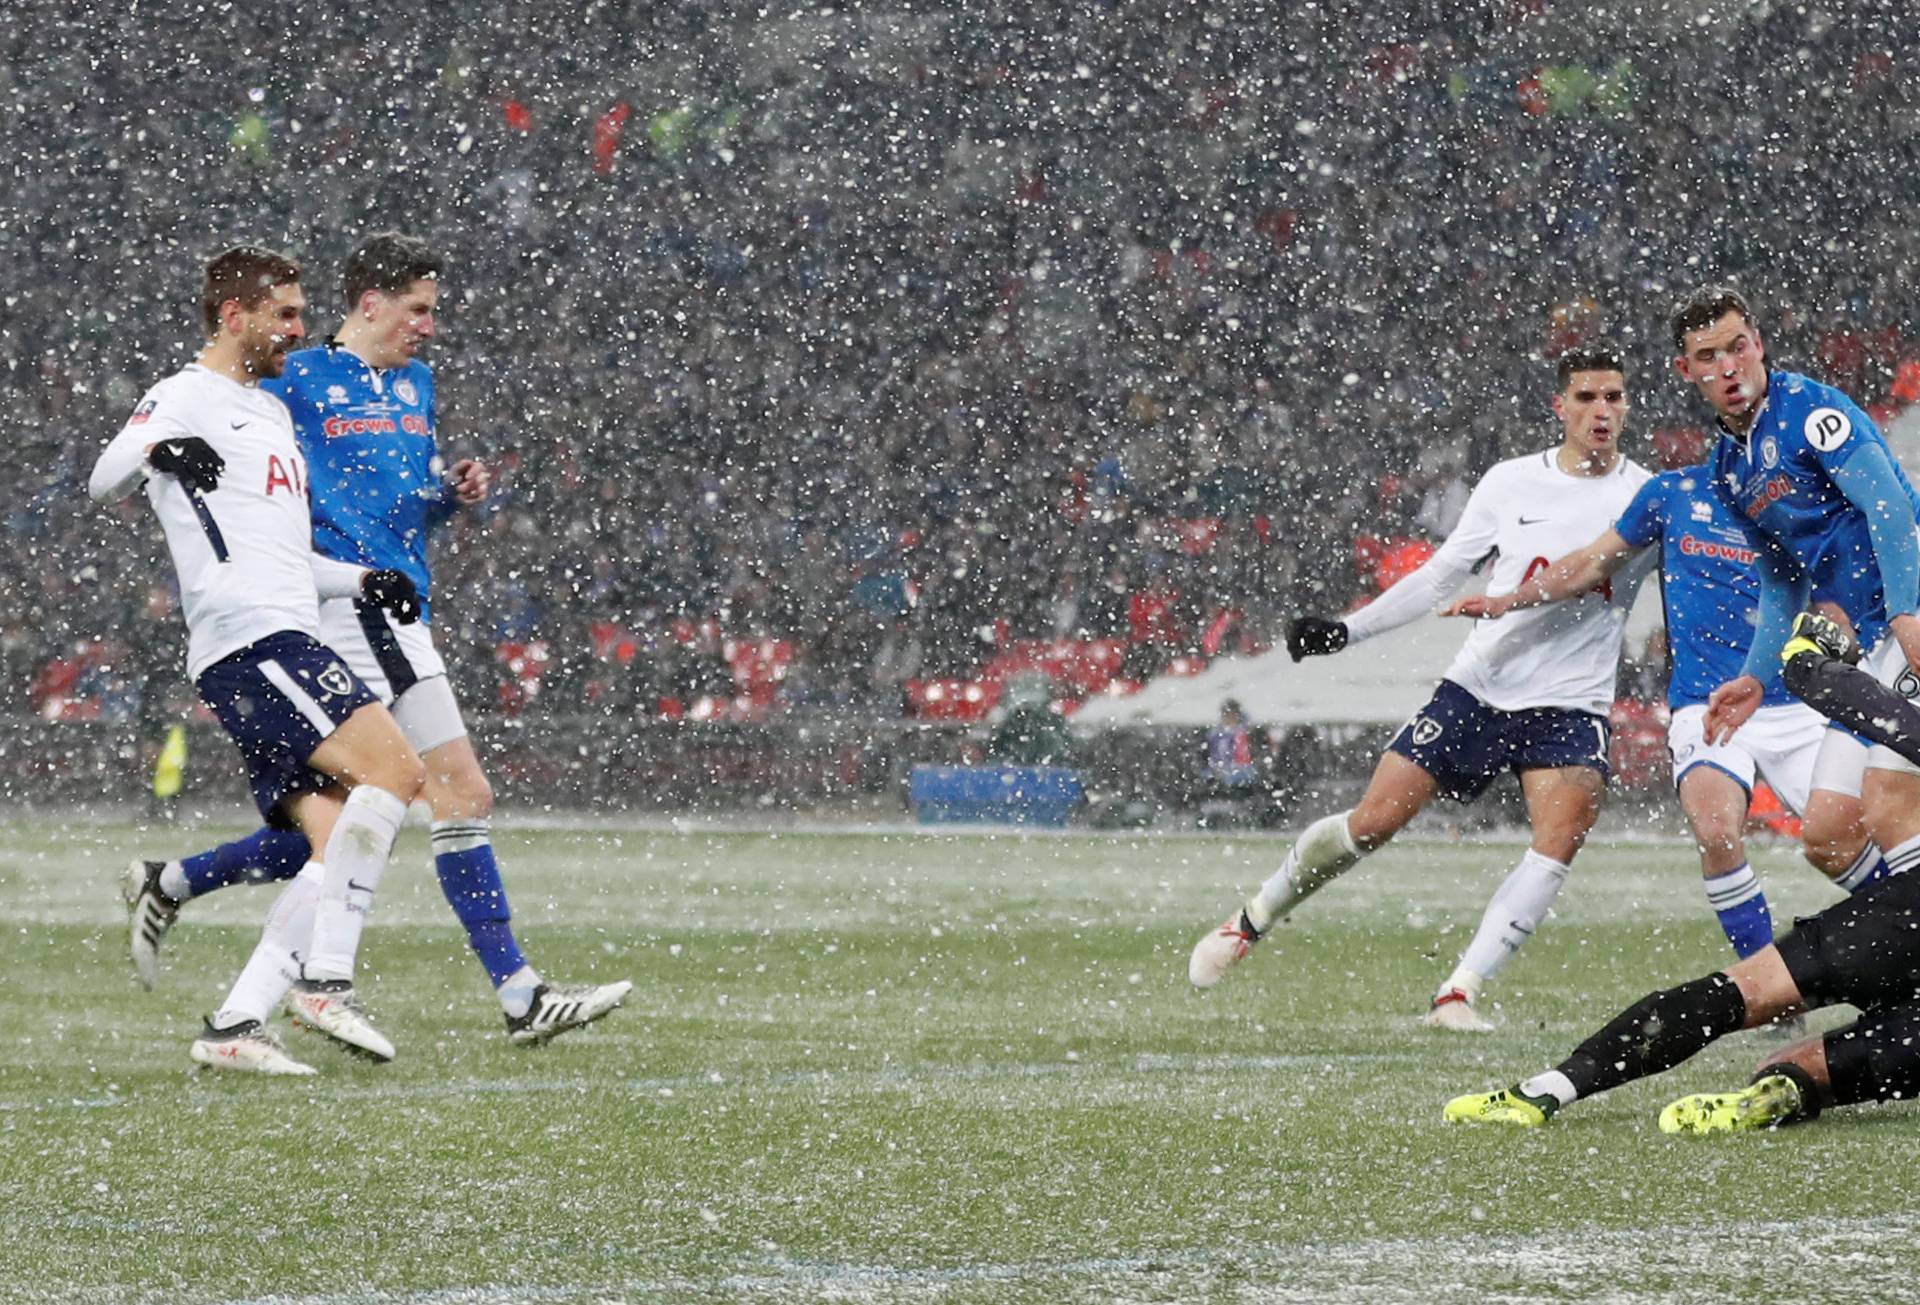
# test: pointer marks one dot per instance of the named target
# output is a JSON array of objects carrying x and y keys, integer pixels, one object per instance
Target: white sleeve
[
  {"x": 122, "y": 467},
  {"x": 1418, "y": 593},
  {"x": 333, "y": 579}
]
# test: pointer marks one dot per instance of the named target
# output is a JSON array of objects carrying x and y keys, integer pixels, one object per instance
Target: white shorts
[
  {"x": 400, "y": 664},
  {"x": 1783, "y": 744},
  {"x": 1888, "y": 664}
]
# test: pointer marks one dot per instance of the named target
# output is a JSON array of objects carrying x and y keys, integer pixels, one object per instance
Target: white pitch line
[{"x": 887, "y": 1076}]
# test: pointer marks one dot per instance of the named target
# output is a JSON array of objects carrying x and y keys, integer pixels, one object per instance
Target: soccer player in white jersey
[
  {"x": 365, "y": 413},
  {"x": 226, "y": 478},
  {"x": 1528, "y": 694}
]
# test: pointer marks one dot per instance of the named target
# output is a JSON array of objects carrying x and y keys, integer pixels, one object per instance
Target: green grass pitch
[{"x": 895, "y": 1067}]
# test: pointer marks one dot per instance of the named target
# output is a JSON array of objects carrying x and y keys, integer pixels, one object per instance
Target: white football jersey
[
  {"x": 244, "y": 550},
  {"x": 1523, "y": 515}
]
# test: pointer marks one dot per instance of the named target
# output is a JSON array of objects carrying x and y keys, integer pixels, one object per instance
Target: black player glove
[
  {"x": 189, "y": 460},
  {"x": 393, "y": 591},
  {"x": 1314, "y": 636}
]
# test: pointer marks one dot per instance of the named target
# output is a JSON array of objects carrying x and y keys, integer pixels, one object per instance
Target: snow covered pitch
[{"x": 892, "y": 1067}]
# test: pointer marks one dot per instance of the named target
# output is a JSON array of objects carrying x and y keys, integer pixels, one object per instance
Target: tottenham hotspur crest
[
  {"x": 1425, "y": 730},
  {"x": 335, "y": 679}
]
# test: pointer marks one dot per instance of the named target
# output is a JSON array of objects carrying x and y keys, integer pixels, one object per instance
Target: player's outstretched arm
[
  {"x": 1576, "y": 573},
  {"x": 1420, "y": 591}
]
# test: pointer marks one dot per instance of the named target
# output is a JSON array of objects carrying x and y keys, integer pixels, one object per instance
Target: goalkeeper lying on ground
[{"x": 1864, "y": 951}]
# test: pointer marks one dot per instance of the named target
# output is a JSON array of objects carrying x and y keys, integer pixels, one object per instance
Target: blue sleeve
[
  {"x": 1868, "y": 480},
  {"x": 1645, "y": 517},
  {"x": 442, "y": 509},
  {"x": 1783, "y": 594}
]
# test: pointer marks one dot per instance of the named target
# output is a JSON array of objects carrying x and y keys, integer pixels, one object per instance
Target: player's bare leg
[
  {"x": 1834, "y": 839},
  {"x": 1562, "y": 804},
  {"x": 1329, "y": 847},
  {"x": 1892, "y": 805},
  {"x": 1715, "y": 804},
  {"x": 462, "y": 802}
]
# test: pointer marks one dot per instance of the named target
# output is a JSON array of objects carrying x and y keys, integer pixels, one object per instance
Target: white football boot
[
  {"x": 1453, "y": 1010},
  {"x": 561, "y": 1007},
  {"x": 330, "y": 1007},
  {"x": 247, "y": 1047},
  {"x": 150, "y": 913},
  {"x": 1221, "y": 950}
]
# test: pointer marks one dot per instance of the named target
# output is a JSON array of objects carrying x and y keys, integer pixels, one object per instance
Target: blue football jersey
[
  {"x": 1708, "y": 585},
  {"x": 373, "y": 470},
  {"x": 1780, "y": 479}
]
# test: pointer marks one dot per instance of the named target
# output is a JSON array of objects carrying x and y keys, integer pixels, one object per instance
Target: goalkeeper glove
[
  {"x": 1314, "y": 636},
  {"x": 189, "y": 460},
  {"x": 393, "y": 591}
]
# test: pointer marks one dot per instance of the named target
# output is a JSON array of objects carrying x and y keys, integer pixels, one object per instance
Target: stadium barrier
[
  {"x": 600, "y": 762},
  {"x": 860, "y": 769}
]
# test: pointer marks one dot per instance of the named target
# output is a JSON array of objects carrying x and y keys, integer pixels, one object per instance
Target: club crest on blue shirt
[
  {"x": 406, "y": 391},
  {"x": 1769, "y": 453}
]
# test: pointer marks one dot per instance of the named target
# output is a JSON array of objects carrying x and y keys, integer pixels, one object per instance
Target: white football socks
[
  {"x": 1515, "y": 911},
  {"x": 516, "y": 994},
  {"x": 275, "y": 962},
  {"x": 1551, "y": 1084},
  {"x": 173, "y": 882},
  {"x": 1324, "y": 851},
  {"x": 356, "y": 857},
  {"x": 1903, "y": 857}
]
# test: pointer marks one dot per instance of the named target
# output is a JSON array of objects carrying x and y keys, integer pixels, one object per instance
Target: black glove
[
  {"x": 189, "y": 460},
  {"x": 393, "y": 591},
  {"x": 1314, "y": 636}
]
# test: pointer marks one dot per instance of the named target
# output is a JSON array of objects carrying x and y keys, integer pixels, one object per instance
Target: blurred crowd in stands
[{"x": 861, "y": 360}]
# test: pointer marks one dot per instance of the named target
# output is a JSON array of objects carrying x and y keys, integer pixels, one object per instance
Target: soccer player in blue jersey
[
  {"x": 1709, "y": 591},
  {"x": 1824, "y": 506},
  {"x": 363, "y": 409}
]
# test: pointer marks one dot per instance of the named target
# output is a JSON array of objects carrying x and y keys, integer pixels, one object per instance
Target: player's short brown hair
[
  {"x": 245, "y": 274},
  {"x": 1600, "y": 356},
  {"x": 390, "y": 262},
  {"x": 1704, "y": 307}
]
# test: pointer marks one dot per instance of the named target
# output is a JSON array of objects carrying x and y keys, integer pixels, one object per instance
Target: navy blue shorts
[
  {"x": 280, "y": 698},
  {"x": 1465, "y": 744}
]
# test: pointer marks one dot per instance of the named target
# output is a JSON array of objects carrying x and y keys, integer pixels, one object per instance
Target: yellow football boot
[
  {"x": 1766, "y": 1103},
  {"x": 1505, "y": 1106}
]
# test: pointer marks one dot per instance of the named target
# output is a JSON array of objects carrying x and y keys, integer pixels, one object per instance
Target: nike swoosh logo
[
  {"x": 362, "y": 887},
  {"x": 239, "y": 425},
  {"x": 1531, "y": 521}
]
